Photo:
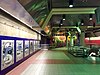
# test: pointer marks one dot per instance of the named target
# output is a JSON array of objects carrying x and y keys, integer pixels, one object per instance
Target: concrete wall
[{"x": 9, "y": 27}]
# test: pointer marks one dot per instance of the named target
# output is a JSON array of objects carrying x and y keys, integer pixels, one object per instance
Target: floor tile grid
[
  {"x": 20, "y": 68},
  {"x": 65, "y": 69},
  {"x": 79, "y": 67}
]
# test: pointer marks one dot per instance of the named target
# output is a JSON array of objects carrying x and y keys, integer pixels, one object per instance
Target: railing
[{"x": 79, "y": 51}]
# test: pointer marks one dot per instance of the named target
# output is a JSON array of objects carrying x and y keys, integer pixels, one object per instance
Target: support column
[
  {"x": 67, "y": 34},
  {"x": 71, "y": 41},
  {"x": 71, "y": 38},
  {"x": 67, "y": 43},
  {"x": 82, "y": 38}
]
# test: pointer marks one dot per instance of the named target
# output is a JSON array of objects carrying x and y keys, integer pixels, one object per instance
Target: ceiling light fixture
[
  {"x": 90, "y": 16},
  {"x": 61, "y": 22},
  {"x": 64, "y": 17},
  {"x": 70, "y": 3},
  {"x": 82, "y": 22}
]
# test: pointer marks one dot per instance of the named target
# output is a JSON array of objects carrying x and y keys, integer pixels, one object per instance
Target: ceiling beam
[
  {"x": 73, "y": 10},
  {"x": 68, "y": 11},
  {"x": 64, "y": 27},
  {"x": 97, "y": 26},
  {"x": 79, "y": 30},
  {"x": 47, "y": 20}
]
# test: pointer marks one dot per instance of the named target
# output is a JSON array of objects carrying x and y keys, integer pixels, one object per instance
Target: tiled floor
[{"x": 57, "y": 63}]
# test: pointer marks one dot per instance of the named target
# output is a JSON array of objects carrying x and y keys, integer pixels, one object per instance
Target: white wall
[{"x": 9, "y": 27}]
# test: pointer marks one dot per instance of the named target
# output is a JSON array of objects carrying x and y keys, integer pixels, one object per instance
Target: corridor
[{"x": 49, "y": 37}]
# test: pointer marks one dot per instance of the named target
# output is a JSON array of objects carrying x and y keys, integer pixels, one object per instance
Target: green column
[
  {"x": 66, "y": 42},
  {"x": 82, "y": 38},
  {"x": 71, "y": 41}
]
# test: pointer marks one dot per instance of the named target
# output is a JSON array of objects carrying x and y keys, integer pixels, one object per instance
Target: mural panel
[
  {"x": 19, "y": 49},
  {"x": 7, "y": 53}
]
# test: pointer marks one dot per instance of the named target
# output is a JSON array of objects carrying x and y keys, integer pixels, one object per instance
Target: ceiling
[
  {"x": 76, "y": 3},
  {"x": 40, "y": 10}
]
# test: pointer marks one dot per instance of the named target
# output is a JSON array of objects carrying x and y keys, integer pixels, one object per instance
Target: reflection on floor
[
  {"x": 60, "y": 48},
  {"x": 53, "y": 62}
]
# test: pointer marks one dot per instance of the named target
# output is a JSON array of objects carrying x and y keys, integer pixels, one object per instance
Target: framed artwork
[
  {"x": 26, "y": 48},
  {"x": 7, "y": 53},
  {"x": 19, "y": 50}
]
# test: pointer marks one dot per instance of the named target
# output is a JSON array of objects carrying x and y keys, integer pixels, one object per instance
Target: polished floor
[{"x": 57, "y": 62}]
